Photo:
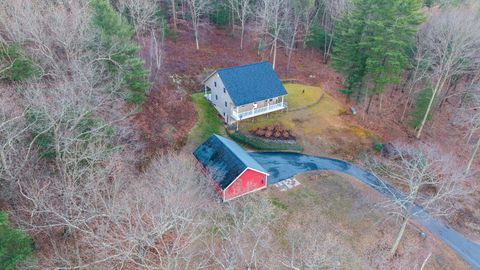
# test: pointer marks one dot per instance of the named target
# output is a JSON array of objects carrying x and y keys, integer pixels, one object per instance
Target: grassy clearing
[
  {"x": 319, "y": 126},
  {"x": 207, "y": 123},
  {"x": 314, "y": 116},
  {"x": 300, "y": 95},
  {"x": 356, "y": 231}
]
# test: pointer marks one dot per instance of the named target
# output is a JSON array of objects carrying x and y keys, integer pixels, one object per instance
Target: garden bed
[
  {"x": 265, "y": 144},
  {"x": 275, "y": 132}
]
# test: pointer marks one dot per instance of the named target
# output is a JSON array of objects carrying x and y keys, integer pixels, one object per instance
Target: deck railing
[{"x": 259, "y": 111}]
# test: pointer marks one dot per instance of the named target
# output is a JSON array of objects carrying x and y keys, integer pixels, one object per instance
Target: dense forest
[{"x": 95, "y": 168}]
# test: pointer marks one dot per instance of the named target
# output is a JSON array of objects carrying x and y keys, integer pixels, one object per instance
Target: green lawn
[
  {"x": 207, "y": 122},
  {"x": 300, "y": 96},
  {"x": 317, "y": 123},
  {"x": 316, "y": 118}
]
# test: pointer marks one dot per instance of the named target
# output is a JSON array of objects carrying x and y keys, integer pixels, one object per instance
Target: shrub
[
  {"x": 261, "y": 144},
  {"x": 278, "y": 131},
  {"x": 279, "y": 204},
  {"x": 15, "y": 66},
  {"x": 15, "y": 245},
  {"x": 116, "y": 34},
  {"x": 41, "y": 133},
  {"x": 377, "y": 147},
  {"x": 220, "y": 15},
  {"x": 92, "y": 128}
]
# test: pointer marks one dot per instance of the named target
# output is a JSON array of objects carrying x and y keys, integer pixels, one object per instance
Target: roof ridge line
[
  {"x": 244, "y": 65},
  {"x": 230, "y": 150}
]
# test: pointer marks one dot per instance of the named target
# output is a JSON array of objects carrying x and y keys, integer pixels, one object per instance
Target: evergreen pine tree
[
  {"x": 391, "y": 29},
  {"x": 15, "y": 245},
  {"x": 348, "y": 54},
  {"x": 14, "y": 65},
  {"x": 372, "y": 44},
  {"x": 115, "y": 34}
]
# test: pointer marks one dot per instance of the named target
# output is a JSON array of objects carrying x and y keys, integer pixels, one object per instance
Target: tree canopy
[{"x": 372, "y": 44}]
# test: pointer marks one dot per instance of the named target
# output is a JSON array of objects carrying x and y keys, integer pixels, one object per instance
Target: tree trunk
[
  {"x": 472, "y": 157},
  {"x": 369, "y": 103},
  {"x": 439, "y": 85},
  {"x": 329, "y": 48},
  {"x": 380, "y": 105},
  {"x": 449, "y": 89},
  {"x": 399, "y": 237},
  {"x": 174, "y": 14},
  {"x": 241, "y": 36},
  {"x": 233, "y": 20},
  {"x": 196, "y": 40},
  {"x": 274, "y": 53},
  {"x": 290, "y": 50}
]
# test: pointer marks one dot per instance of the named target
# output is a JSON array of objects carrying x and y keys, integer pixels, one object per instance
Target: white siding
[{"x": 218, "y": 97}]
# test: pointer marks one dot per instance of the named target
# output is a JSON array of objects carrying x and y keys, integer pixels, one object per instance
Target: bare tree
[
  {"x": 415, "y": 77},
  {"x": 469, "y": 115},
  {"x": 293, "y": 16},
  {"x": 174, "y": 14},
  {"x": 312, "y": 247},
  {"x": 143, "y": 13},
  {"x": 197, "y": 9},
  {"x": 428, "y": 180},
  {"x": 271, "y": 15},
  {"x": 242, "y": 237},
  {"x": 450, "y": 48},
  {"x": 242, "y": 10},
  {"x": 160, "y": 220},
  {"x": 332, "y": 11}
]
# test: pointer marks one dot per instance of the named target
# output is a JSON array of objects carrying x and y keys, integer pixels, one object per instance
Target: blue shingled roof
[
  {"x": 250, "y": 83},
  {"x": 224, "y": 160}
]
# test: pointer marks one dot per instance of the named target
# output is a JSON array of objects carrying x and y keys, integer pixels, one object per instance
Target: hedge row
[{"x": 260, "y": 144}]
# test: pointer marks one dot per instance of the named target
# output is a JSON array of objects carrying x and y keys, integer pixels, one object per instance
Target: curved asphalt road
[{"x": 283, "y": 165}]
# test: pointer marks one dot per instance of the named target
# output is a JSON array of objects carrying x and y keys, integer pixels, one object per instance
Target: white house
[{"x": 245, "y": 91}]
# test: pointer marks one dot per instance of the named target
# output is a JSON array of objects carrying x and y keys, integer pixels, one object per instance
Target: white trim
[
  {"x": 242, "y": 173},
  {"x": 258, "y": 111},
  {"x": 245, "y": 193},
  {"x": 236, "y": 178},
  {"x": 209, "y": 76},
  {"x": 258, "y": 170}
]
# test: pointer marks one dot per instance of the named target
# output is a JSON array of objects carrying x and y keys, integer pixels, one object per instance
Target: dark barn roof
[
  {"x": 250, "y": 83},
  {"x": 224, "y": 160}
]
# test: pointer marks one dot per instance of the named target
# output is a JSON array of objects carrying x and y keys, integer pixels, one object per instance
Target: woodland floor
[{"x": 168, "y": 115}]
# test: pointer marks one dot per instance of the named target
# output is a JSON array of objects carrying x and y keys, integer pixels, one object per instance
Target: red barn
[{"x": 232, "y": 170}]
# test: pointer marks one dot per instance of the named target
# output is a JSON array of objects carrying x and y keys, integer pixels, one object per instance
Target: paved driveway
[{"x": 283, "y": 165}]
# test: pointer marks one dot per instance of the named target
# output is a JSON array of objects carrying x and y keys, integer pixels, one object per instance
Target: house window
[
  {"x": 223, "y": 114},
  {"x": 225, "y": 104},
  {"x": 223, "y": 89},
  {"x": 215, "y": 83},
  {"x": 270, "y": 99},
  {"x": 216, "y": 97}
]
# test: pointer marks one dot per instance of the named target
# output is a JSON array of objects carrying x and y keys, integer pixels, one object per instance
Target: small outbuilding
[{"x": 231, "y": 169}]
